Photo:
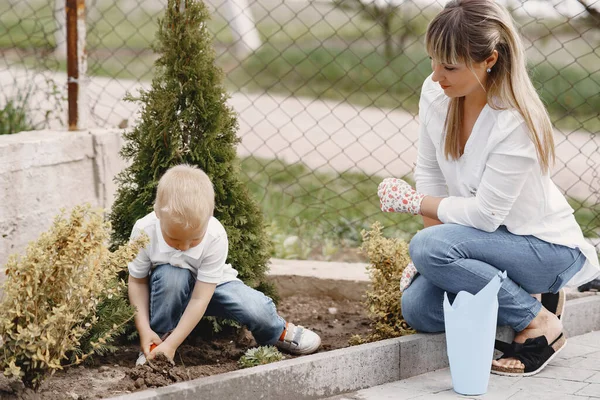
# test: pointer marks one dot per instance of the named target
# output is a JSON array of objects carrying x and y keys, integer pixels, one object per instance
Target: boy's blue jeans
[
  {"x": 452, "y": 258},
  {"x": 171, "y": 289}
]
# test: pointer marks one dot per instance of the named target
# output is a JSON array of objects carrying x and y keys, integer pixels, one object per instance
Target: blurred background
[{"x": 326, "y": 93}]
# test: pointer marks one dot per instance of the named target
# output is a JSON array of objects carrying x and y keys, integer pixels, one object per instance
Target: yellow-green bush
[
  {"x": 387, "y": 258},
  {"x": 53, "y": 294}
]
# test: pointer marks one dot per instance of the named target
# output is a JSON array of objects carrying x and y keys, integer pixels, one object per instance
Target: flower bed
[{"x": 336, "y": 320}]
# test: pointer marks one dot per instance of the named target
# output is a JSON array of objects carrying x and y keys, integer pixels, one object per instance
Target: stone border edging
[{"x": 348, "y": 369}]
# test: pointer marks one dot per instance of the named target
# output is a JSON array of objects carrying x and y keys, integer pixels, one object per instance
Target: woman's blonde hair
[
  {"x": 468, "y": 31},
  {"x": 185, "y": 196}
]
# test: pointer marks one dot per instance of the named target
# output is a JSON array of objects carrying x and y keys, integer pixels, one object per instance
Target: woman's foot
[{"x": 546, "y": 324}]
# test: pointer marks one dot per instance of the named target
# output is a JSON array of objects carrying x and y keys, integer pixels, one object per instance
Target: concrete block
[
  {"x": 310, "y": 377},
  {"x": 422, "y": 353},
  {"x": 505, "y": 333},
  {"x": 107, "y": 163},
  {"x": 42, "y": 172},
  {"x": 582, "y": 315},
  {"x": 27, "y": 150}
]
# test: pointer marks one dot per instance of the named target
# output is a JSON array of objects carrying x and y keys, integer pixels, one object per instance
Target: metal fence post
[{"x": 76, "y": 63}]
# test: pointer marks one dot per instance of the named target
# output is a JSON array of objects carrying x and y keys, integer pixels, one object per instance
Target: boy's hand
[
  {"x": 147, "y": 339},
  {"x": 165, "y": 348}
]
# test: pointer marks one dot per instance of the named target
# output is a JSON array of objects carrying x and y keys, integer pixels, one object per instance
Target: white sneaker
[{"x": 298, "y": 340}]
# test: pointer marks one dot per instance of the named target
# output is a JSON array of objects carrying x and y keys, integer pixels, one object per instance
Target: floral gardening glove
[
  {"x": 408, "y": 275},
  {"x": 395, "y": 195}
]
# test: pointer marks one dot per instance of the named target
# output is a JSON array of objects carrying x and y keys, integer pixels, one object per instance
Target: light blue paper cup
[{"x": 470, "y": 333}]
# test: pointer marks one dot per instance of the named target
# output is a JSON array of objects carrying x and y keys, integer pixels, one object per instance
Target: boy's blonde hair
[
  {"x": 469, "y": 31},
  {"x": 185, "y": 196}
]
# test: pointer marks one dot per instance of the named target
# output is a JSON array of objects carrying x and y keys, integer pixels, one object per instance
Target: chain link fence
[{"x": 326, "y": 93}]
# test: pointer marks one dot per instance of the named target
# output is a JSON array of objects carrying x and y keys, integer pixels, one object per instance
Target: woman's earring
[{"x": 489, "y": 70}]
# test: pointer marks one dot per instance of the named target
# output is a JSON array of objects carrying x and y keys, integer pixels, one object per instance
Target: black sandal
[
  {"x": 554, "y": 302},
  {"x": 535, "y": 354},
  {"x": 592, "y": 286}
]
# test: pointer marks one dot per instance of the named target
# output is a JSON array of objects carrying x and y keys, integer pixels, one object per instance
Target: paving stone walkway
[{"x": 573, "y": 375}]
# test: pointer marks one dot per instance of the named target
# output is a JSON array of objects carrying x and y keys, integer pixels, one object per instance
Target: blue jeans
[
  {"x": 453, "y": 258},
  {"x": 171, "y": 289}
]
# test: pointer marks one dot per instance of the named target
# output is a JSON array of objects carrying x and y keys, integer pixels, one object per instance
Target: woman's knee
[
  {"x": 422, "y": 306},
  {"x": 424, "y": 245},
  {"x": 437, "y": 245},
  {"x": 410, "y": 308}
]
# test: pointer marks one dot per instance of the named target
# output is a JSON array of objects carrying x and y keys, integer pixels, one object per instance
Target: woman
[{"x": 484, "y": 190}]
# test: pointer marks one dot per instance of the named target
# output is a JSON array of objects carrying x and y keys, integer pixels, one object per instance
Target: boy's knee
[
  {"x": 268, "y": 322},
  {"x": 170, "y": 276},
  {"x": 170, "y": 288},
  {"x": 262, "y": 320},
  {"x": 171, "y": 282},
  {"x": 261, "y": 312}
]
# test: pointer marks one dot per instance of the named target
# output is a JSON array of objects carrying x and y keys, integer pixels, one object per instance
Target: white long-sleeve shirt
[{"x": 497, "y": 181}]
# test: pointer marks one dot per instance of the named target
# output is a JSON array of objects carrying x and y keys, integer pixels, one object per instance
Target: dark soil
[{"x": 335, "y": 320}]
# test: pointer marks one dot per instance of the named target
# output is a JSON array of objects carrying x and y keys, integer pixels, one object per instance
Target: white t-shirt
[
  {"x": 206, "y": 260},
  {"x": 497, "y": 181}
]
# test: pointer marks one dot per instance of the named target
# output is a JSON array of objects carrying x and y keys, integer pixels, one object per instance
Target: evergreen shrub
[{"x": 185, "y": 119}]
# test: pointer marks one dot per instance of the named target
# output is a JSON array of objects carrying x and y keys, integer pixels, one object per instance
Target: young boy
[{"x": 182, "y": 274}]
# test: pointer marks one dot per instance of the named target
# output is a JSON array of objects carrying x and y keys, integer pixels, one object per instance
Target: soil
[{"x": 335, "y": 320}]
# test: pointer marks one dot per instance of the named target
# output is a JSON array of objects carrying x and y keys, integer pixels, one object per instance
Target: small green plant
[
  {"x": 13, "y": 117},
  {"x": 63, "y": 299},
  {"x": 260, "y": 356},
  {"x": 388, "y": 258}
]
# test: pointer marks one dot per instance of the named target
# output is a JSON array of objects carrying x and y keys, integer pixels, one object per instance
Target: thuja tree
[{"x": 185, "y": 119}]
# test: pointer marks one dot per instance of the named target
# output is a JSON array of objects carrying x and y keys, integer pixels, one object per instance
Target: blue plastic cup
[{"x": 470, "y": 333}]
